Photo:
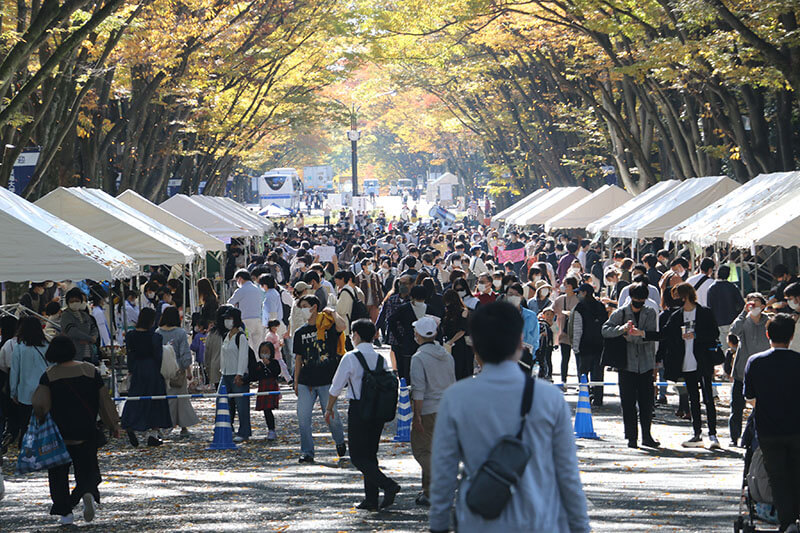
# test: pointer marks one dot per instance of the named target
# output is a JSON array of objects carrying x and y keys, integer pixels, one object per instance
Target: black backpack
[
  {"x": 359, "y": 310},
  {"x": 378, "y": 391},
  {"x": 255, "y": 371}
]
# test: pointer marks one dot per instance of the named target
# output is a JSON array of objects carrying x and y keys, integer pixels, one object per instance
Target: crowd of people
[{"x": 466, "y": 313}]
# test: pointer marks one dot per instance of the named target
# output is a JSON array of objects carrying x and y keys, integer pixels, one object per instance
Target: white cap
[{"x": 426, "y": 326}]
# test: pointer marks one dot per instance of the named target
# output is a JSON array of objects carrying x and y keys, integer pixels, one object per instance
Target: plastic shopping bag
[{"x": 42, "y": 447}]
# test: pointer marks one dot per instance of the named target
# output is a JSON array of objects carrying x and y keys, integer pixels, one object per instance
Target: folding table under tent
[
  {"x": 224, "y": 211},
  {"x": 689, "y": 197},
  {"x": 762, "y": 195},
  {"x": 635, "y": 204},
  {"x": 249, "y": 214},
  {"x": 143, "y": 205},
  {"x": 204, "y": 218},
  {"x": 603, "y": 200},
  {"x": 39, "y": 246},
  {"x": 549, "y": 206},
  {"x": 134, "y": 236},
  {"x": 520, "y": 204}
]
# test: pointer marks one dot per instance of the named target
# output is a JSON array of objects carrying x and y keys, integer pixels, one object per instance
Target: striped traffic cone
[
  {"x": 584, "y": 429},
  {"x": 403, "y": 414},
  {"x": 223, "y": 431}
]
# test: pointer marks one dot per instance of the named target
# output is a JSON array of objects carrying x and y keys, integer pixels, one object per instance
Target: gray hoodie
[
  {"x": 752, "y": 340},
  {"x": 432, "y": 371}
]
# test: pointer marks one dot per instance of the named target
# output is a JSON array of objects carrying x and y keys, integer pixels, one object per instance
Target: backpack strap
[
  {"x": 527, "y": 402},
  {"x": 700, "y": 282}
]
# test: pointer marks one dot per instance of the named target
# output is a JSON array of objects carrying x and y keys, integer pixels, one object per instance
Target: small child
[
  {"x": 198, "y": 345},
  {"x": 730, "y": 355},
  {"x": 271, "y": 368},
  {"x": 276, "y": 341},
  {"x": 545, "y": 352}
]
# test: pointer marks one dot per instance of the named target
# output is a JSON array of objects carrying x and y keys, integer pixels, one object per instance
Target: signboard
[
  {"x": 360, "y": 203},
  {"x": 23, "y": 170},
  {"x": 325, "y": 253}
]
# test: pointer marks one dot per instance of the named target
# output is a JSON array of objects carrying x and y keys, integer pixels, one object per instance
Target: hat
[
  {"x": 301, "y": 286},
  {"x": 426, "y": 326},
  {"x": 543, "y": 284},
  {"x": 585, "y": 287}
]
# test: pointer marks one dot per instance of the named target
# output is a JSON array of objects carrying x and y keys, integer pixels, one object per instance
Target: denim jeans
[
  {"x": 242, "y": 404},
  {"x": 305, "y": 406}
]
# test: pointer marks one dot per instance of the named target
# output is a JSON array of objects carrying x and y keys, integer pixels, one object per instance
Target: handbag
[
  {"x": 615, "y": 352},
  {"x": 42, "y": 447},
  {"x": 493, "y": 483}
]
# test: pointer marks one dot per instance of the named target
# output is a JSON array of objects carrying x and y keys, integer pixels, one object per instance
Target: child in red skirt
[{"x": 269, "y": 382}]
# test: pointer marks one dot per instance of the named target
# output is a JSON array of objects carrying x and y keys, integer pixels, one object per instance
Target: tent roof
[
  {"x": 745, "y": 205},
  {"x": 447, "y": 177},
  {"x": 225, "y": 211},
  {"x": 635, "y": 203},
  {"x": 203, "y": 217},
  {"x": 689, "y": 197},
  {"x": 519, "y": 204},
  {"x": 777, "y": 227},
  {"x": 548, "y": 193},
  {"x": 268, "y": 226},
  {"x": 603, "y": 200},
  {"x": 137, "y": 237},
  {"x": 39, "y": 246},
  {"x": 550, "y": 205},
  {"x": 143, "y": 205}
]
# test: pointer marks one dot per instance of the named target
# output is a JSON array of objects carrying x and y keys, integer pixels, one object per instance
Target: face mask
[
  {"x": 367, "y": 268},
  {"x": 304, "y": 313},
  {"x": 150, "y": 295},
  {"x": 563, "y": 288},
  {"x": 384, "y": 270},
  {"x": 680, "y": 272},
  {"x": 514, "y": 300},
  {"x": 75, "y": 306},
  {"x": 462, "y": 294},
  {"x": 794, "y": 305},
  {"x": 228, "y": 323},
  {"x": 497, "y": 283},
  {"x": 637, "y": 305},
  {"x": 482, "y": 287},
  {"x": 536, "y": 278},
  {"x": 544, "y": 293},
  {"x": 755, "y": 312}
]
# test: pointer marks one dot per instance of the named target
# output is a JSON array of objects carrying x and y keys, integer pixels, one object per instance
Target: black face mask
[{"x": 636, "y": 306}]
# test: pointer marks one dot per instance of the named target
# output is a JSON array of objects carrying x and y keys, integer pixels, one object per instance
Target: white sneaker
[
  {"x": 694, "y": 442},
  {"x": 272, "y": 435},
  {"x": 66, "y": 520},
  {"x": 237, "y": 439},
  {"x": 88, "y": 507},
  {"x": 714, "y": 445}
]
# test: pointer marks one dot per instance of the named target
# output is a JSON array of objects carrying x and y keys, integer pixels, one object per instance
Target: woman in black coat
[
  {"x": 691, "y": 336},
  {"x": 145, "y": 350}
]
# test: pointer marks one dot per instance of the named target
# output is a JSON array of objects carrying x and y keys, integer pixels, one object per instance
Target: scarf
[{"x": 324, "y": 323}]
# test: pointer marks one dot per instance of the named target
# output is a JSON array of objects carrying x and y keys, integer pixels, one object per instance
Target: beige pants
[
  {"x": 422, "y": 446},
  {"x": 255, "y": 332}
]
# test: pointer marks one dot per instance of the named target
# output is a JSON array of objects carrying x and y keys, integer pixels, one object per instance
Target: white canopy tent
[
  {"x": 520, "y": 204},
  {"x": 689, "y": 197},
  {"x": 548, "y": 194},
  {"x": 134, "y": 236},
  {"x": 225, "y": 211},
  {"x": 634, "y": 205},
  {"x": 204, "y": 218},
  {"x": 39, "y": 246},
  {"x": 247, "y": 214},
  {"x": 777, "y": 227},
  {"x": 603, "y": 200},
  {"x": 274, "y": 210},
  {"x": 143, "y": 205},
  {"x": 434, "y": 189},
  {"x": 542, "y": 211},
  {"x": 745, "y": 206}
]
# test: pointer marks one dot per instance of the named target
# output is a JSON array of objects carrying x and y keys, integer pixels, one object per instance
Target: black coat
[
  {"x": 400, "y": 324},
  {"x": 706, "y": 338},
  {"x": 145, "y": 352}
]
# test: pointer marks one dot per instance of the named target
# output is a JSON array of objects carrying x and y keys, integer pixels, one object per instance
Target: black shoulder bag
[{"x": 493, "y": 483}]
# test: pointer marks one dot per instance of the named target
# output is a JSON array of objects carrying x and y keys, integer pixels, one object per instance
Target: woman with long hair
[
  {"x": 453, "y": 331},
  {"x": 208, "y": 299},
  {"x": 27, "y": 366}
]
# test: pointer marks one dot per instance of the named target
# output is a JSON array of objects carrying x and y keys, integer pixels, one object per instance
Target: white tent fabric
[
  {"x": 268, "y": 226},
  {"x": 539, "y": 200},
  {"x": 103, "y": 196},
  {"x": 448, "y": 178},
  {"x": 635, "y": 204},
  {"x": 131, "y": 235},
  {"x": 541, "y": 212},
  {"x": 603, "y": 200},
  {"x": 224, "y": 210},
  {"x": 204, "y": 218},
  {"x": 143, "y": 205},
  {"x": 520, "y": 204},
  {"x": 274, "y": 210},
  {"x": 777, "y": 227},
  {"x": 683, "y": 201},
  {"x": 745, "y": 206},
  {"x": 39, "y": 246}
]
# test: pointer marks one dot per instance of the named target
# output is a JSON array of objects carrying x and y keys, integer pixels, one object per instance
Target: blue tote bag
[{"x": 42, "y": 447}]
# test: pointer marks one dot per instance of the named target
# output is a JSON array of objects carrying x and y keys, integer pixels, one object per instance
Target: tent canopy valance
[
  {"x": 204, "y": 218},
  {"x": 212, "y": 203},
  {"x": 549, "y": 206},
  {"x": 634, "y": 204},
  {"x": 519, "y": 204},
  {"x": 603, "y": 200}
]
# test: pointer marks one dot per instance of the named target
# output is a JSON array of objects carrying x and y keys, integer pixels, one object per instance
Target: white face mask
[
  {"x": 482, "y": 287},
  {"x": 75, "y": 306},
  {"x": 536, "y": 278},
  {"x": 544, "y": 293},
  {"x": 462, "y": 294},
  {"x": 755, "y": 312},
  {"x": 794, "y": 305},
  {"x": 228, "y": 323},
  {"x": 514, "y": 300},
  {"x": 149, "y": 295},
  {"x": 367, "y": 268},
  {"x": 304, "y": 313},
  {"x": 497, "y": 283},
  {"x": 680, "y": 272},
  {"x": 384, "y": 270}
]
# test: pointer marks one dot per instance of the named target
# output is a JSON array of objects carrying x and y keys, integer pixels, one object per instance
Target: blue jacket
[
  {"x": 27, "y": 366},
  {"x": 530, "y": 331}
]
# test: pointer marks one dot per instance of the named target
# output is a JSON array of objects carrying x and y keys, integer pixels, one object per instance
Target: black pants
[
  {"x": 737, "y": 409},
  {"x": 363, "y": 437},
  {"x": 566, "y": 350},
  {"x": 589, "y": 364},
  {"x": 403, "y": 367},
  {"x": 782, "y": 461},
  {"x": 269, "y": 417},
  {"x": 87, "y": 478},
  {"x": 23, "y": 414},
  {"x": 636, "y": 389},
  {"x": 696, "y": 381}
]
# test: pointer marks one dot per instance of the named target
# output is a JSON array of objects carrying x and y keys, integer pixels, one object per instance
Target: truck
[
  {"x": 371, "y": 187},
  {"x": 318, "y": 179},
  {"x": 279, "y": 186}
]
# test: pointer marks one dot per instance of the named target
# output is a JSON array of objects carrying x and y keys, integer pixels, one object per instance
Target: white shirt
[
  {"x": 248, "y": 299},
  {"x": 102, "y": 326},
  {"x": 5, "y": 354},
  {"x": 702, "y": 290},
  {"x": 233, "y": 358},
  {"x": 625, "y": 295},
  {"x": 349, "y": 372},
  {"x": 689, "y": 361}
]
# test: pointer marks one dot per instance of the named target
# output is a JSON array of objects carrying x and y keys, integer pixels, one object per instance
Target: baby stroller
[{"x": 756, "y": 512}]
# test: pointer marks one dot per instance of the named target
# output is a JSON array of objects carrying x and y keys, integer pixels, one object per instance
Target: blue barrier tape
[{"x": 206, "y": 395}]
